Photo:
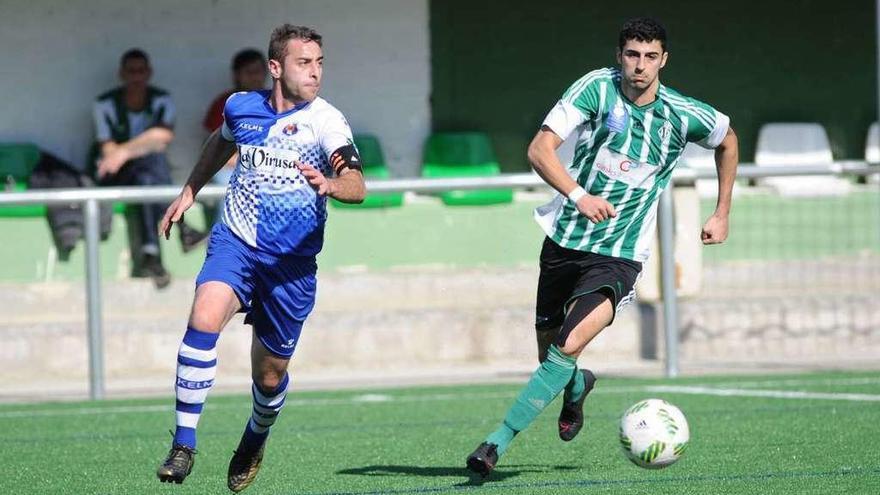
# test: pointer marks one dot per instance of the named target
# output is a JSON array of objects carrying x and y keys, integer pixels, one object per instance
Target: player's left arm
[
  {"x": 726, "y": 159},
  {"x": 348, "y": 185}
]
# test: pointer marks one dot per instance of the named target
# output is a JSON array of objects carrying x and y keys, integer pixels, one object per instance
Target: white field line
[
  {"x": 34, "y": 413},
  {"x": 772, "y": 394},
  {"x": 797, "y": 382},
  {"x": 355, "y": 399},
  {"x": 384, "y": 398}
]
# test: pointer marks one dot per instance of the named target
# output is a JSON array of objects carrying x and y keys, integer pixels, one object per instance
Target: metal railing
[{"x": 90, "y": 199}]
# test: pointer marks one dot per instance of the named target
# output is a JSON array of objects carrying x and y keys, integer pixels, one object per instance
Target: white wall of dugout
[{"x": 57, "y": 56}]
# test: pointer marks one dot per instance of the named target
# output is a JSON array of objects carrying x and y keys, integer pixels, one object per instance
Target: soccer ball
[{"x": 653, "y": 433}]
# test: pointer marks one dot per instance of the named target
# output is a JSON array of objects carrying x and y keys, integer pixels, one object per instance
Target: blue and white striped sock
[
  {"x": 196, "y": 368},
  {"x": 267, "y": 405}
]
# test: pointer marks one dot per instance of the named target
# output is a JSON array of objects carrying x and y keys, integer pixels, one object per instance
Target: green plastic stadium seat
[
  {"x": 464, "y": 154},
  {"x": 373, "y": 161},
  {"x": 17, "y": 161}
]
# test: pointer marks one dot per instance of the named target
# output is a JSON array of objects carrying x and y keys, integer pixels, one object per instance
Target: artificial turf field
[{"x": 816, "y": 433}]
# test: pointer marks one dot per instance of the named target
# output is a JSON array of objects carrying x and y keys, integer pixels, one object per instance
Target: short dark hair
[
  {"x": 286, "y": 32},
  {"x": 247, "y": 57},
  {"x": 134, "y": 54},
  {"x": 642, "y": 29}
]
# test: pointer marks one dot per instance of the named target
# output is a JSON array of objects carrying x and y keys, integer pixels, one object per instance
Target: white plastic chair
[
  {"x": 872, "y": 144},
  {"x": 872, "y": 149},
  {"x": 793, "y": 144},
  {"x": 699, "y": 158}
]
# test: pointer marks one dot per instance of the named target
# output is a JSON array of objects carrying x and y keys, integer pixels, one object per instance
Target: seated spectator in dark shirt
[{"x": 134, "y": 124}]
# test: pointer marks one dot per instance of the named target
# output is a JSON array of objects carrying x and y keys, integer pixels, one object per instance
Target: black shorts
[{"x": 567, "y": 274}]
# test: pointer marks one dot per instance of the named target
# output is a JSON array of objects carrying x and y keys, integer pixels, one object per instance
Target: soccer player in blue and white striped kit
[{"x": 295, "y": 149}]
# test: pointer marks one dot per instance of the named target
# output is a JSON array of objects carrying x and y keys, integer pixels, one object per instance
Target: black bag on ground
[{"x": 66, "y": 221}]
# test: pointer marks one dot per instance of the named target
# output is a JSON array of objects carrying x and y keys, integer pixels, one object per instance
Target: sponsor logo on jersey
[
  {"x": 252, "y": 157},
  {"x": 250, "y": 126},
  {"x": 627, "y": 165},
  {"x": 618, "y": 117},
  {"x": 618, "y": 166},
  {"x": 609, "y": 169},
  {"x": 623, "y": 167}
]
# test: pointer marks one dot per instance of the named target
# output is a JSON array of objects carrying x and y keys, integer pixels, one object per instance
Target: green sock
[
  {"x": 544, "y": 385},
  {"x": 575, "y": 387},
  {"x": 502, "y": 437}
]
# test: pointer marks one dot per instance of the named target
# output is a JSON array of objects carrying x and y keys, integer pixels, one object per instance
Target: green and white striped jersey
[{"x": 625, "y": 154}]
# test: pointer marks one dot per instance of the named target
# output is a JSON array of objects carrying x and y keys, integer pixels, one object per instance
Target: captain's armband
[{"x": 345, "y": 157}]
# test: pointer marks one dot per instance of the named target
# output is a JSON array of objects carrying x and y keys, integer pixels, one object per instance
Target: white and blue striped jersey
[{"x": 269, "y": 204}]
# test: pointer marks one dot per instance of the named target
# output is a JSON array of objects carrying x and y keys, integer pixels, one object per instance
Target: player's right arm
[
  {"x": 579, "y": 104},
  {"x": 215, "y": 153}
]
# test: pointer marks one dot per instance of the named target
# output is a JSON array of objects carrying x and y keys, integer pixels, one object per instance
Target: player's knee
[
  {"x": 571, "y": 348},
  {"x": 268, "y": 380},
  {"x": 205, "y": 321},
  {"x": 212, "y": 307}
]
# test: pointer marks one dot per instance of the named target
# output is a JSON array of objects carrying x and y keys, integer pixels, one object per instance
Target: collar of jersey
[
  {"x": 296, "y": 108},
  {"x": 653, "y": 104}
]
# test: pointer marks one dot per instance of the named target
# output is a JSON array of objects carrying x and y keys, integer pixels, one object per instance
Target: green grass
[
  {"x": 415, "y": 441},
  {"x": 770, "y": 227}
]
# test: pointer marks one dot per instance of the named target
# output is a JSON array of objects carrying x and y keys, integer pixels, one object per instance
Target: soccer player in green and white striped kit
[{"x": 631, "y": 131}]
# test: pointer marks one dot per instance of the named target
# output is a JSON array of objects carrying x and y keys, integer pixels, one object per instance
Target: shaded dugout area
[{"x": 499, "y": 66}]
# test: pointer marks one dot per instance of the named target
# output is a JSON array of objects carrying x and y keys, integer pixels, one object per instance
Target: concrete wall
[
  {"x": 57, "y": 56},
  {"x": 424, "y": 326},
  {"x": 418, "y": 326}
]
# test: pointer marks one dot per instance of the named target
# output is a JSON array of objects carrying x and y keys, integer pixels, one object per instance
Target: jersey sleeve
[
  {"x": 578, "y": 104},
  {"x": 166, "y": 111},
  {"x": 707, "y": 127},
  {"x": 229, "y": 117},
  {"x": 102, "y": 127},
  {"x": 335, "y": 133}
]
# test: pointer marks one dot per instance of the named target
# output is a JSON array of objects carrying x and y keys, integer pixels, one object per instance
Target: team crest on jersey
[
  {"x": 665, "y": 131},
  {"x": 289, "y": 130},
  {"x": 618, "y": 118}
]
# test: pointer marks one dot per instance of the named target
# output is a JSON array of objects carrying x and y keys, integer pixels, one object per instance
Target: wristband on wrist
[{"x": 576, "y": 194}]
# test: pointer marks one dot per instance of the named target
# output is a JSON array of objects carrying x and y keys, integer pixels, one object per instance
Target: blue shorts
[{"x": 276, "y": 292}]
